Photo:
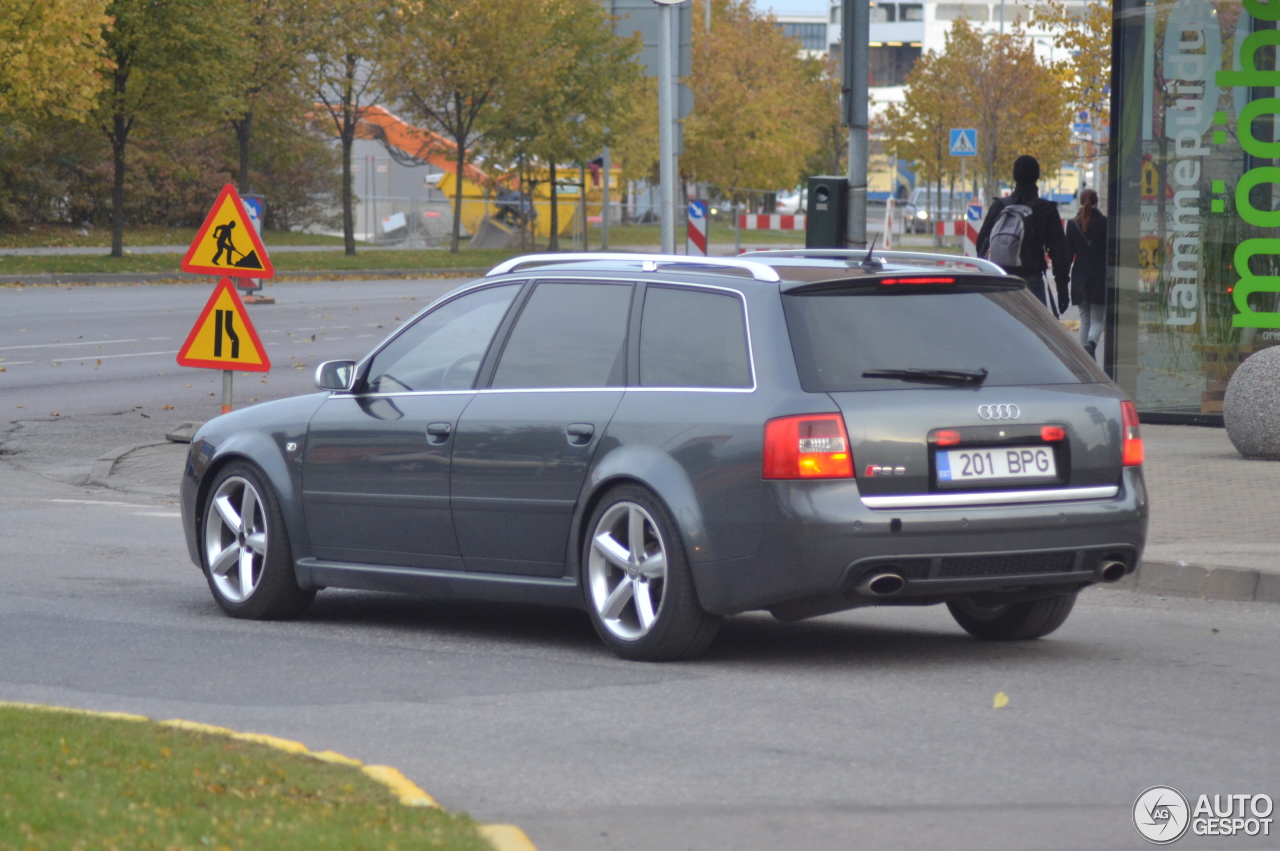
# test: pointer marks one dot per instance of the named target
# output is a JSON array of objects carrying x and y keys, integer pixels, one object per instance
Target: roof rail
[
  {"x": 649, "y": 262},
  {"x": 859, "y": 254}
]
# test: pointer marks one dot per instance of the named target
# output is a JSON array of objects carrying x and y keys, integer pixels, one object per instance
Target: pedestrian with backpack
[
  {"x": 1020, "y": 230},
  {"x": 1087, "y": 247}
]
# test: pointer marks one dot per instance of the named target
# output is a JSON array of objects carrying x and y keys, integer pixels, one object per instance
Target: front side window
[
  {"x": 443, "y": 349},
  {"x": 568, "y": 335},
  {"x": 693, "y": 338}
]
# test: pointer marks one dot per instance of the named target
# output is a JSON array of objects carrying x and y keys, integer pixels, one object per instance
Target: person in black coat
[
  {"x": 1042, "y": 233},
  {"x": 1087, "y": 245}
]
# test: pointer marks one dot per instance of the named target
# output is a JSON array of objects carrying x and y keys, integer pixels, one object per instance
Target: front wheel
[
  {"x": 245, "y": 548},
  {"x": 637, "y": 582},
  {"x": 1014, "y": 621}
]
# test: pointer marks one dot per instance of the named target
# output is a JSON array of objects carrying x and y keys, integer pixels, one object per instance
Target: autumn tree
[
  {"x": 172, "y": 62},
  {"x": 579, "y": 89},
  {"x": 1018, "y": 104},
  {"x": 51, "y": 57},
  {"x": 346, "y": 69},
  {"x": 456, "y": 60},
  {"x": 919, "y": 130},
  {"x": 1085, "y": 38},
  {"x": 754, "y": 99},
  {"x": 275, "y": 33}
]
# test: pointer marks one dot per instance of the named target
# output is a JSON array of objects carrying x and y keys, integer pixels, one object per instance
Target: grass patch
[
  {"x": 69, "y": 236},
  {"x": 74, "y": 781},
  {"x": 286, "y": 262}
]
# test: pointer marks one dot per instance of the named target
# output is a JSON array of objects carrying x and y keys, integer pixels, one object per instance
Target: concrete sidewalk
[{"x": 1213, "y": 514}]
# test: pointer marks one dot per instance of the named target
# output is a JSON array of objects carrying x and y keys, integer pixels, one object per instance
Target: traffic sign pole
[{"x": 226, "y": 391}]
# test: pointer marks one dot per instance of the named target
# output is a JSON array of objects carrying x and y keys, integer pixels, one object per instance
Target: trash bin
[{"x": 827, "y": 214}]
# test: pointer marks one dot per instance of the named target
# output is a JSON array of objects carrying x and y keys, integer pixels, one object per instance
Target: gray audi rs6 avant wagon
[{"x": 663, "y": 441}]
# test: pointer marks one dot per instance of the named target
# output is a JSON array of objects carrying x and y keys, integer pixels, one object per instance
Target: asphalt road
[{"x": 870, "y": 729}]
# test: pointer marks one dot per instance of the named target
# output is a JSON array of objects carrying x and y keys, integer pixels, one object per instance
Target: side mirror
[{"x": 336, "y": 375}]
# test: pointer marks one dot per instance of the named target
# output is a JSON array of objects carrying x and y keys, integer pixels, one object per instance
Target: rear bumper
[{"x": 820, "y": 541}]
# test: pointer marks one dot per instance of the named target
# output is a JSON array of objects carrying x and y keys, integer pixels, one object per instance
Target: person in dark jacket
[
  {"x": 1087, "y": 247},
  {"x": 1042, "y": 233}
]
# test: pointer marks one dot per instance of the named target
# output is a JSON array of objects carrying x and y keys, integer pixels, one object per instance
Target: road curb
[
  {"x": 93, "y": 279},
  {"x": 503, "y": 837},
  {"x": 1183, "y": 579}
]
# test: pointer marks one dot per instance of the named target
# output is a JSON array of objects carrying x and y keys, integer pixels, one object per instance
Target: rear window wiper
[{"x": 931, "y": 376}]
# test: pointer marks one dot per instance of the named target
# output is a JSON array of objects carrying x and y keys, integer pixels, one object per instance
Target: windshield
[{"x": 840, "y": 337}]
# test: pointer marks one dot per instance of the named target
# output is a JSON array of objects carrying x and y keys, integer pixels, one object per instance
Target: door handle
[
  {"x": 438, "y": 432},
  {"x": 580, "y": 433}
]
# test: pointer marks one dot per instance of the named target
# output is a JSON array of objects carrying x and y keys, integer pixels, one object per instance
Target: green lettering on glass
[
  {"x": 1250, "y": 283},
  {"x": 1250, "y": 75},
  {"x": 1248, "y": 212},
  {"x": 1263, "y": 11},
  {"x": 1244, "y": 127}
]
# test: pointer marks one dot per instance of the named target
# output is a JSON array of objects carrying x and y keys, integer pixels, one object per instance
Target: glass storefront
[{"x": 1195, "y": 199}]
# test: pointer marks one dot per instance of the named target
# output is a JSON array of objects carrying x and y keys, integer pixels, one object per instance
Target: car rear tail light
[
  {"x": 929, "y": 280},
  {"x": 946, "y": 437},
  {"x": 1132, "y": 438},
  {"x": 809, "y": 446},
  {"x": 1052, "y": 434}
]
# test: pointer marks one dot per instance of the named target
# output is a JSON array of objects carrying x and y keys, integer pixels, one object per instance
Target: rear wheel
[
  {"x": 1014, "y": 621},
  {"x": 637, "y": 582},
  {"x": 245, "y": 548}
]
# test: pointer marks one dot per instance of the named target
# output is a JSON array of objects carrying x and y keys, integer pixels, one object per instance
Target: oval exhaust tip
[
  {"x": 882, "y": 584},
  {"x": 1111, "y": 570}
]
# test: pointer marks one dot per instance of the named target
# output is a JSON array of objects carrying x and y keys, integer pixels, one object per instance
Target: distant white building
[{"x": 811, "y": 30}]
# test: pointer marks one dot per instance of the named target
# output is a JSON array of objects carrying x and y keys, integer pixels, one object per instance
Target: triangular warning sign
[
  {"x": 223, "y": 337},
  {"x": 227, "y": 243}
]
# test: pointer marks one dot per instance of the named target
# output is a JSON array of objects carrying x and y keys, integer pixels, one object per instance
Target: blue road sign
[
  {"x": 964, "y": 142},
  {"x": 974, "y": 212}
]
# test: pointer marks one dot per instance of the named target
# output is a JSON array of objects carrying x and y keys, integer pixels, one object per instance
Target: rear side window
[
  {"x": 838, "y": 336},
  {"x": 693, "y": 338},
  {"x": 568, "y": 335}
]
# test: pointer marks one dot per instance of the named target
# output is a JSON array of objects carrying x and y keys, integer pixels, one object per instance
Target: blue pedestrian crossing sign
[{"x": 964, "y": 142}]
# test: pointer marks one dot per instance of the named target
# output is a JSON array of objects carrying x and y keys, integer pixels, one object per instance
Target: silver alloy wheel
[
  {"x": 235, "y": 539},
  {"x": 627, "y": 570}
]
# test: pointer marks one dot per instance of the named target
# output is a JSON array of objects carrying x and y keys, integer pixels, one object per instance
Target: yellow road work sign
[
  {"x": 223, "y": 336},
  {"x": 227, "y": 243}
]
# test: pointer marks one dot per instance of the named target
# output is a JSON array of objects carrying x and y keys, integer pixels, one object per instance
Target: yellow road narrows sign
[
  {"x": 223, "y": 337},
  {"x": 227, "y": 243}
]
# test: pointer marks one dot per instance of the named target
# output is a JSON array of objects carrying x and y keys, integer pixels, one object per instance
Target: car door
[
  {"x": 376, "y": 464},
  {"x": 524, "y": 445}
]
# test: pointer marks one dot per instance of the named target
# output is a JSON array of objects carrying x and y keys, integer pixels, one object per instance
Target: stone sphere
[{"x": 1251, "y": 409}]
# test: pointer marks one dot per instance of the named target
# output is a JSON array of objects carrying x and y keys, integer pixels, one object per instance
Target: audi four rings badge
[{"x": 999, "y": 412}]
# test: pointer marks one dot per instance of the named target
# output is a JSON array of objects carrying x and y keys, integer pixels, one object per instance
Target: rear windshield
[{"x": 838, "y": 336}]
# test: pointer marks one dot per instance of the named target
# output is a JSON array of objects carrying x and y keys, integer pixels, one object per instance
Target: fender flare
[
  {"x": 262, "y": 451},
  {"x": 659, "y": 472}
]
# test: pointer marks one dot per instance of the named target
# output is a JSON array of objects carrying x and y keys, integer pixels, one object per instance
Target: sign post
[
  {"x": 964, "y": 144},
  {"x": 223, "y": 337}
]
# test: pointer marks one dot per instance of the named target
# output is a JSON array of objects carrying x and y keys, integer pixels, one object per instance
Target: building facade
[{"x": 1195, "y": 199}]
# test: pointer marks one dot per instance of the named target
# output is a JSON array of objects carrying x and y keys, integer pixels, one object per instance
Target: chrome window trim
[
  {"x": 485, "y": 282},
  {"x": 955, "y": 500}
]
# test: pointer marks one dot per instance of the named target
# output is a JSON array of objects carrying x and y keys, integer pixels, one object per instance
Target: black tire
[
  {"x": 677, "y": 628},
  {"x": 1013, "y": 622},
  {"x": 272, "y": 585}
]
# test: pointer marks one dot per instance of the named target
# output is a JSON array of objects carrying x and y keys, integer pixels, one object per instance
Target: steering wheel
[{"x": 446, "y": 383}]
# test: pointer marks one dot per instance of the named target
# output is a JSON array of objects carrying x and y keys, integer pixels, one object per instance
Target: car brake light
[
  {"x": 1133, "y": 451},
  {"x": 1051, "y": 434},
  {"x": 946, "y": 437},
  {"x": 933, "y": 280},
  {"x": 809, "y": 446}
]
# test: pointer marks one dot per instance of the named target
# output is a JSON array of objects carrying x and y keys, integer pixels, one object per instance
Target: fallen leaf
[
  {"x": 313, "y": 338},
  {"x": 145, "y": 416},
  {"x": 1001, "y": 701},
  {"x": 167, "y": 408},
  {"x": 99, "y": 361},
  {"x": 2, "y": 369},
  {"x": 1214, "y": 631},
  {"x": 51, "y": 413}
]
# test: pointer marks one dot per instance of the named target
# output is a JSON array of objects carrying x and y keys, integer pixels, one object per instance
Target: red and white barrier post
[{"x": 696, "y": 243}]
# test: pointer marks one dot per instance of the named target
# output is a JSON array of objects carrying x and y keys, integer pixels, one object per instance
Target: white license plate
[{"x": 958, "y": 466}]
